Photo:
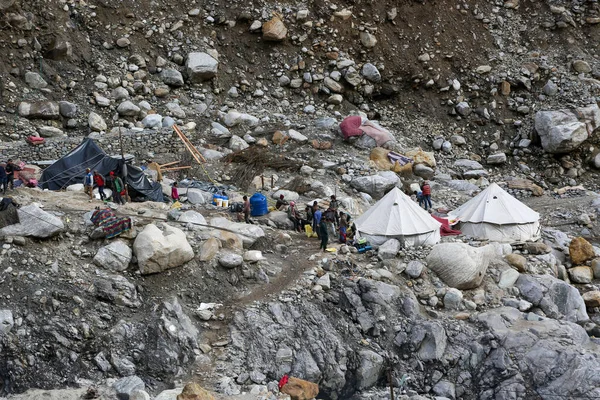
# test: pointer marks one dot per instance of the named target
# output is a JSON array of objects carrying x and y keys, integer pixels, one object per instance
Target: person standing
[
  {"x": 343, "y": 227},
  {"x": 334, "y": 205},
  {"x": 317, "y": 216},
  {"x": 99, "y": 181},
  {"x": 174, "y": 192},
  {"x": 426, "y": 191},
  {"x": 246, "y": 209},
  {"x": 294, "y": 216},
  {"x": 117, "y": 187},
  {"x": 88, "y": 183},
  {"x": 3, "y": 179},
  {"x": 323, "y": 234},
  {"x": 10, "y": 173}
]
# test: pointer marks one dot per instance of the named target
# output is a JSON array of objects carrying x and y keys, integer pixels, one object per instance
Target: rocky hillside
[{"x": 473, "y": 92}]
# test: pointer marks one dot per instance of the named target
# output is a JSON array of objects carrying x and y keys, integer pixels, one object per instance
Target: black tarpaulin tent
[{"x": 71, "y": 168}]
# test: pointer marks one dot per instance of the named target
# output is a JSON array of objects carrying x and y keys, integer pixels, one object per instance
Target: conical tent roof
[
  {"x": 495, "y": 206},
  {"x": 396, "y": 215}
]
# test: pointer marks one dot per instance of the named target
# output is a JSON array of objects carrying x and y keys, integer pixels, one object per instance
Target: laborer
[
  {"x": 418, "y": 197},
  {"x": 280, "y": 203},
  {"x": 174, "y": 192},
  {"x": 309, "y": 215},
  {"x": 317, "y": 216},
  {"x": 99, "y": 181},
  {"x": 323, "y": 234},
  {"x": 294, "y": 216},
  {"x": 3, "y": 179},
  {"x": 88, "y": 183},
  {"x": 117, "y": 188},
  {"x": 10, "y": 173},
  {"x": 246, "y": 209},
  {"x": 334, "y": 205},
  {"x": 343, "y": 227},
  {"x": 426, "y": 190}
]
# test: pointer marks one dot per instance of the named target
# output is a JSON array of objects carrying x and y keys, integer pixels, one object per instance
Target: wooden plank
[
  {"x": 170, "y": 163},
  {"x": 193, "y": 151},
  {"x": 176, "y": 168}
]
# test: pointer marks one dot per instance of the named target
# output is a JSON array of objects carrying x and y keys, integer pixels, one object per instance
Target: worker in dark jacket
[
  {"x": 323, "y": 234},
  {"x": 10, "y": 172},
  {"x": 3, "y": 179}
]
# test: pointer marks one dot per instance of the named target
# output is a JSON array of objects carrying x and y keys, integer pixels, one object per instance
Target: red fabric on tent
[
  {"x": 445, "y": 229},
  {"x": 350, "y": 126}
]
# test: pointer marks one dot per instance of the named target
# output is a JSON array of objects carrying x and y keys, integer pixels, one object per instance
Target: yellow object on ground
[
  {"x": 331, "y": 249},
  {"x": 379, "y": 156},
  {"x": 308, "y": 230},
  {"x": 176, "y": 205}
]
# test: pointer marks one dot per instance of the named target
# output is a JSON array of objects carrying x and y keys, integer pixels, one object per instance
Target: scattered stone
[
  {"x": 389, "y": 249},
  {"x": 414, "y": 269},
  {"x": 581, "y": 274},
  {"x": 39, "y": 110},
  {"x": 34, "y": 222},
  {"x": 453, "y": 299},
  {"x": 581, "y": 66},
  {"x": 193, "y": 391},
  {"x": 274, "y": 30},
  {"x": 495, "y": 159},
  {"x": 592, "y": 298},
  {"x": 517, "y": 261},
  {"x": 230, "y": 260},
  {"x": 35, "y": 80},
  {"x": 115, "y": 257},
  {"x": 201, "y": 67},
  {"x": 124, "y": 387},
  {"x": 172, "y": 77},
  {"x": 368, "y": 40},
  {"x": 508, "y": 278},
  {"x": 563, "y": 131}
]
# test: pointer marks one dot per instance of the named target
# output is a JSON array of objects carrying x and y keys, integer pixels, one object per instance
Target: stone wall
[{"x": 138, "y": 143}]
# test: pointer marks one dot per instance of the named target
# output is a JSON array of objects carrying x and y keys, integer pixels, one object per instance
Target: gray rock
[
  {"x": 50, "y": 131},
  {"x": 201, "y": 67},
  {"x": 115, "y": 257},
  {"x": 161, "y": 249},
  {"x": 6, "y": 321},
  {"x": 495, "y": 159},
  {"x": 139, "y": 395},
  {"x": 464, "y": 165},
  {"x": 152, "y": 121},
  {"x": 370, "y": 369},
  {"x": 453, "y": 299},
  {"x": 67, "y": 109},
  {"x": 460, "y": 265},
  {"x": 128, "y": 109},
  {"x": 562, "y": 131},
  {"x": 556, "y": 298},
  {"x": 230, "y": 261},
  {"x": 333, "y": 85},
  {"x": 197, "y": 196},
  {"x": 423, "y": 171},
  {"x": 236, "y": 143},
  {"x": 191, "y": 216},
  {"x": 414, "y": 269},
  {"x": 581, "y": 274},
  {"x": 445, "y": 389},
  {"x": 429, "y": 340},
  {"x": 34, "y": 222},
  {"x": 126, "y": 386},
  {"x": 596, "y": 268},
  {"x": 119, "y": 93},
  {"x": 508, "y": 278},
  {"x": 352, "y": 76},
  {"x": 96, "y": 122},
  {"x": 367, "y": 39},
  {"x": 446, "y": 146},
  {"x": 371, "y": 73},
  {"x": 550, "y": 88},
  {"x": 389, "y": 249},
  {"x": 39, "y": 110},
  {"x": 324, "y": 282},
  {"x": 463, "y": 108},
  {"x": 168, "y": 122},
  {"x": 172, "y": 77},
  {"x": 374, "y": 185},
  {"x": 581, "y": 66},
  {"x": 35, "y": 80}
]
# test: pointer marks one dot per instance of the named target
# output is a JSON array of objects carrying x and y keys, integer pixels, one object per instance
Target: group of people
[
  {"x": 423, "y": 196},
  {"x": 112, "y": 182},
  {"x": 326, "y": 223},
  {"x": 7, "y": 175}
]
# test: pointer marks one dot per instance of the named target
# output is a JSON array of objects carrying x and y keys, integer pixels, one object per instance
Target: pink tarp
[
  {"x": 445, "y": 229},
  {"x": 353, "y": 126},
  {"x": 350, "y": 126}
]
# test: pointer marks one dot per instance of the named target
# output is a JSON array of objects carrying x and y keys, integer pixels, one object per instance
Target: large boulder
[
  {"x": 247, "y": 232},
  {"x": 281, "y": 220},
  {"x": 124, "y": 387},
  {"x": 34, "y": 222},
  {"x": 201, "y": 67},
  {"x": 554, "y": 297},
  {"x": 96, "y": 122},
  {"x": 375, "y": 185},
  {"x": 459, "y": 265},
  {"x": 192, "y": 217},
  {"x": 288, "y": 195},
  {"x": 197, "y": 196},
  {"x": 562, "y": 131},
  {"x": 128, "y": 109},
  {"x": 116, "y": 256},
  {"x": 158, "y": 250},
  {"x": 39, "y": 110},
  {"x": 580, "y": 251}
]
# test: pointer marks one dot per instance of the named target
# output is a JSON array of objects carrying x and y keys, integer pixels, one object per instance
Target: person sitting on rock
[
  {"x": 281, "y": 203},
  {"x": 174, "y": 192}
]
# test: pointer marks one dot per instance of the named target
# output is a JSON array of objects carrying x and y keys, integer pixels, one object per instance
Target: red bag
[
  {"x": 283, "y": 381},
  {"x": 122, "y": 192}
]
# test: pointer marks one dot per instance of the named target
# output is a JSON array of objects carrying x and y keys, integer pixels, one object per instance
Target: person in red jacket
[
  {"x": 426, "y": 190},
  {"x": 99, "y": 182}
]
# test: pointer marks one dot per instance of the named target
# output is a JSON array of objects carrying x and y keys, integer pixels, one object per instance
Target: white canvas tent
[
  {"x": 396, "y": 216},
  {"x": 497, "y": 216}
]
